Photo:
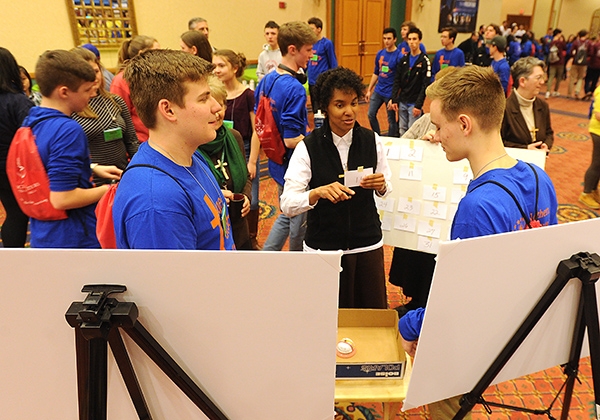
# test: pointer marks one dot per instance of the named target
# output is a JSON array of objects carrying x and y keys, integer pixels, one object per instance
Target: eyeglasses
[{"x": 538, "y": 78}]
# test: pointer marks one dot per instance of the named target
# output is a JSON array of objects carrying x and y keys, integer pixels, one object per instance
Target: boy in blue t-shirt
[
  {"x": 499, "y": 63},
  {"x": 322, "y": 59},
  {"x": 449, "y": 55},
  {"x": 288, "y": 102},
  {"x": 66, "y": 82},
  {"x": 467, "y": 128},
  {"x": 382, "y": 79},
  {"x": 177, "y": 204}
]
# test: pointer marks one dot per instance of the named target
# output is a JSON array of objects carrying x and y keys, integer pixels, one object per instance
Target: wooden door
[{"x": 359, "y": 27}]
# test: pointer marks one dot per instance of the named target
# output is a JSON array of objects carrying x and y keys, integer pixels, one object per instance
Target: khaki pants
[{"x": 576, "y": 76}]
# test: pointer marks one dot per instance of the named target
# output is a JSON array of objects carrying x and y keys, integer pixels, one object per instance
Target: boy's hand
[{"x": 107, "y": 171}]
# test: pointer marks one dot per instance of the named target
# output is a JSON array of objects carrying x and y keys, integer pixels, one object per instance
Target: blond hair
[
  {"x": 217, "y": 90},
  {"x": 471, "y": 90}
]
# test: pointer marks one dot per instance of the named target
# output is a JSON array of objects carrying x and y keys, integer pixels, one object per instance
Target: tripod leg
[
  {"x": 593, "y": 329},
  {"x": 469, "y": 400},
  {"x": 170, "y": 367},
  {"x": 572, "y": 366},
  {"x": 126, "y": 368},
  {"x": 96, "y": 385},
  {"x": 82, "y": 350}
]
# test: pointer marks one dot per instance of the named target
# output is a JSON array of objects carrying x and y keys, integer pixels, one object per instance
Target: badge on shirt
[
  {"x": 113, "y": 134},
  {"x": 385, "y": 69}
]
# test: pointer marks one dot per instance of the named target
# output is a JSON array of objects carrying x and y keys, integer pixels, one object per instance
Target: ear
[
  {"x": 521, "y": 81},
  {"x": 292, "y": 49},
  {"x": 194, "y": 50},
  {"x": 166, "y": 111},
  {"x": 466, "y": 124},
  {"x": 63, "y": 92}
]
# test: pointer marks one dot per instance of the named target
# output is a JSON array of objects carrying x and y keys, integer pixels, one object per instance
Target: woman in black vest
[{"x": 333, "y": 174}]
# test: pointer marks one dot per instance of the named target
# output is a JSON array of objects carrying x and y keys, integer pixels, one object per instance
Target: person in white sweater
[{"x": 270, "y": 57}]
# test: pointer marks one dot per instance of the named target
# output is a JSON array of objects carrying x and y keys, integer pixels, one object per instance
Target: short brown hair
[
  {"x": 297, "y": 34},
  {"x": 472, "y": 90},
  {"x": 160, "y": 74},
  {"x": 62, "y": 68}
]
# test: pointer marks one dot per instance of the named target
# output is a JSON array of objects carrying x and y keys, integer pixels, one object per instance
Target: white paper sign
[
  {"x": 392, "y": 152},
  {"x": 405, "y": 223},
  {"x": 427, "y": 244},
  {"x": 409, "y": 205},
  {"x": 386, "y": 221},
  {"x": 458, "y": 193},
  {"x": 411, "y": 171},
  {"x": 385, "y": 204},
  {"x": 430, "y": 228},
  {"x": 353, "y": 178},
  {"x": 434, "y": 193},
  {"x": 410, "y": 152},
  {"x": 462, "y": 176},
  {"x": 435, "y": 210}
]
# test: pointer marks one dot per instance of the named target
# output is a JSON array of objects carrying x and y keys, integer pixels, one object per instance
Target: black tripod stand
[
  {"x": 585, "y": 267},
  {"x": 97, "y": 321}
]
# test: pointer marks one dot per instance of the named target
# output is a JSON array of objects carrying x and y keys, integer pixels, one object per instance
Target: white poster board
[
  {"x": 256, "y": 330},
  {"x": 483, "y": 289},
  {"x": 418, "y": 213}
]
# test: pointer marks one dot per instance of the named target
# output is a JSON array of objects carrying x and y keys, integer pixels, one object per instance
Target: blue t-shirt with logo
[{"x": 385, "y": 69}]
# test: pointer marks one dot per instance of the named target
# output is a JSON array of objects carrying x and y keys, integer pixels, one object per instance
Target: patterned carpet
[{"x": 566, "y": 165}]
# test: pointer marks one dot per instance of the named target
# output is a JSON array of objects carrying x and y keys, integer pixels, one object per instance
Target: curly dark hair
[{"x": 340, "y": 78}]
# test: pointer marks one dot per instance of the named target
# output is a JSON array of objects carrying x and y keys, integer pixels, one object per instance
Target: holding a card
[{"x": 333, "y": 175}]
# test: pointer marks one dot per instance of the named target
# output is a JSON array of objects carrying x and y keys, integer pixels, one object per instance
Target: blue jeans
[
  {"x": 405, "y": 115},
  {"x": 374, "y": 104},
  {"x": 254, "y": 194},
  {"x": 294, "y": 227}
]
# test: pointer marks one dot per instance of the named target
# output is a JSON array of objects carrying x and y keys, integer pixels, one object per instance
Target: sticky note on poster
[
  {"x": 411, "y": 152},
  {"x": 409, "y": 205},
  {"x": 458, "y": 193},
  {"x": 430, "y": 228},
  {"x": 386, "y": 221},
  {"x": 385, "y": 204},
  {"x": 405, "y": 222},
  {"x": 392, "y": 152},
  {"x": 462, "y": 176},
  {"x": 427, "y": 244},
  {"x": 435, "y": 210},
  {"x": 411, "y": 171},
  {"x": 434, "y": 193}
]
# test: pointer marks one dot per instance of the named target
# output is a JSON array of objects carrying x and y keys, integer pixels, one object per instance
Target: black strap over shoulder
[
  {"x": 271, "y": 88},
  {"x": 509, "y": 192}
]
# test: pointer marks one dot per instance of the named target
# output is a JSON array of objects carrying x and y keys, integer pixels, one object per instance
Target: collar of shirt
[{"x": 342, "y": 144}]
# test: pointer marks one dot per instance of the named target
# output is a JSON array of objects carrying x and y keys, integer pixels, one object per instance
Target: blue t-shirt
[
  {"x": 385, "y": 69},
  {"x": 323, "y": 59},
  {"x": 288, "y": 102},
  {"x": 64, "y": 151},
  {"x": 502, "y": 69},
  {"x": 405, "y": 49},
  {"x": 151, "y": 211},
  {"x": 488, "y": 209},
  {"x": 444, "y": 58}
]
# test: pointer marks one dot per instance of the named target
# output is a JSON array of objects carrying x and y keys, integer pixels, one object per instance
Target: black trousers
[{"x": 362, "y": 281}]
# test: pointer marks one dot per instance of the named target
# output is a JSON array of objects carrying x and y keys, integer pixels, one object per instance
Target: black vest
[{"x": 348, "y": 224}]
